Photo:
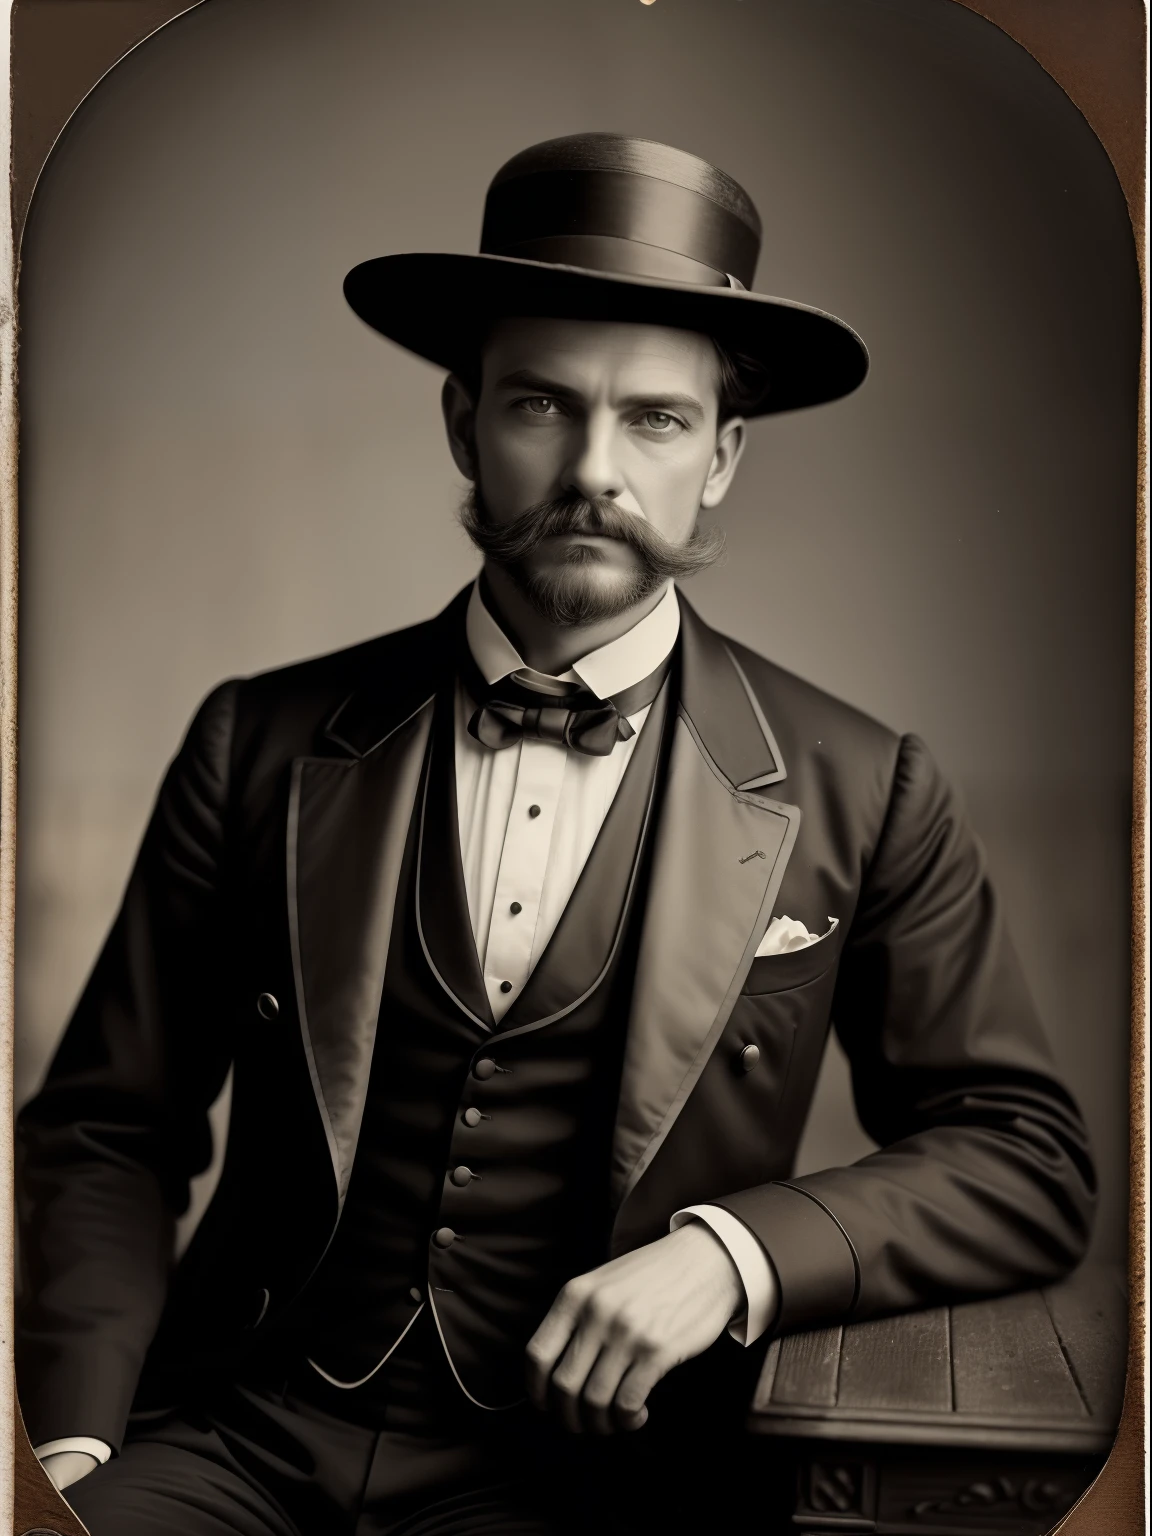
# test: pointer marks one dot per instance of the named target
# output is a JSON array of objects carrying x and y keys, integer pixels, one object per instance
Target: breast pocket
[
  {"x": 779, "y": 1020},
  {"x": 779, "y": 973}
]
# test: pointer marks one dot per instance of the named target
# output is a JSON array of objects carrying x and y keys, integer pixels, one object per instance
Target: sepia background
[{"x": 223, "y": 470}]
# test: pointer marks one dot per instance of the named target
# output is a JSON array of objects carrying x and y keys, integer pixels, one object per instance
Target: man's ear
[
  {"x": 460, "y": 423},
  {"x": 729, "y": 446}
]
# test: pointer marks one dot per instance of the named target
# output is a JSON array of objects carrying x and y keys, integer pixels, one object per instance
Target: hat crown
[
  {"x": 626, "y": 205},
  {"x": 640, "y": 157}
]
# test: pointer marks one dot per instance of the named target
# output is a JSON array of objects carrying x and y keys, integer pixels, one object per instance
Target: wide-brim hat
[{"x": 604, "y": 227}]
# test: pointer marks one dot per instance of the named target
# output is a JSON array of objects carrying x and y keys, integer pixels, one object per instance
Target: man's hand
[
  {"x": 612, "y": 1334},
  {"x": 67, "y": 1467}
]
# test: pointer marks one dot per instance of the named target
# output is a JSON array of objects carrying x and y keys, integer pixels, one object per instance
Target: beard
[{"x": 576, "y": 593}]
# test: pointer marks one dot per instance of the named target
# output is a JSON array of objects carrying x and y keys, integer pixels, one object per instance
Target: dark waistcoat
[{"x": 481, "y": 1176}]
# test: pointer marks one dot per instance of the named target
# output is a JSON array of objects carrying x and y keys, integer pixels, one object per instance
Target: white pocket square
[{"x": 786, "y": 934}]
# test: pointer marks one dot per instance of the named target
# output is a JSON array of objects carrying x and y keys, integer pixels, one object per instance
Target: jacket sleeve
[
  {"x": 983, "y": 1181},
  {"x": 108, "y": 1146}
]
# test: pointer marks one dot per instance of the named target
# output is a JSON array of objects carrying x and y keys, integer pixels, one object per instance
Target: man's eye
[
  {"x": 539, "y": 405},
  {"x": 659, "y": 421}
]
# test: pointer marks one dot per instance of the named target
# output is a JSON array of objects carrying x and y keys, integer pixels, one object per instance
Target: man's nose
[{"x": 592, "y": 469}]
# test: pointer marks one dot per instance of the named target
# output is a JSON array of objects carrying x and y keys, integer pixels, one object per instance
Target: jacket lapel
[
  {"x": 722, "y": 845},
  {"x": 348, "y": 818}
]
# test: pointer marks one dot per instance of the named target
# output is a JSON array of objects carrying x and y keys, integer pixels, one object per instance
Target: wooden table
[{"x": 990, "y": 1417}]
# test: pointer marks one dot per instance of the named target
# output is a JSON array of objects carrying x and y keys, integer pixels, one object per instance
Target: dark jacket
[{"x": 270, "y": 865}]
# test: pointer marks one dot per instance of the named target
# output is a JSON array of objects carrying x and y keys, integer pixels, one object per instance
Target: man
[{"x": 521, "y": 931}]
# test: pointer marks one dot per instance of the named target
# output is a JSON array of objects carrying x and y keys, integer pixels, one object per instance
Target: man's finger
[
  {"x": 628, "y": 1408},
  {"x": 547, "y": 1344},
  {"x": 570, "y": 1376},
  {"x": 601, "y": 1387}
]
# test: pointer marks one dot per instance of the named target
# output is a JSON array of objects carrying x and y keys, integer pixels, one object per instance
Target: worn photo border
[{"x": 55, "y": 53}]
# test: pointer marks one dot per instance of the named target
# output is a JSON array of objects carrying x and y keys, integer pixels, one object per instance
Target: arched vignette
[{"x": 62, "y": 49}]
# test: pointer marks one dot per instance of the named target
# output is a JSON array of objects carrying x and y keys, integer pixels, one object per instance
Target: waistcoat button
[
  {"x": 484, "y": 1068},
  {"x": 533, "y": 810},
  {"x": 505, "y": 986},
  {"x": 461, "y": 1176},
  {"x": 472, "y": 1117},
  {"x": 416, "y": 1294},
  {"x": 515, "y": 908},
  {"x": 267, "y": 1006},
  {"x": 748, "y": 1058},
  {"x": 443, "y": 1237}
]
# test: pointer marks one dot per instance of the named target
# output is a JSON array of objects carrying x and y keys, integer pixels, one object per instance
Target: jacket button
[
  {"x": 472, "y": 1117},
  {"x": 748, "y": 1058},
  {"x": 416, "y": 1294},
  {"x": 267, "y": 1006},
  {"x": 484, "y": 1068},
  {"x": 443, "y": 1237},
  {"x": 461, "y": 1176}
]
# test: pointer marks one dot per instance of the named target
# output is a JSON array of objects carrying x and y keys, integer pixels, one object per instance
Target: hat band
[
  {"x": 620, "y": 206},
  {"x": 608, "y": 253}
]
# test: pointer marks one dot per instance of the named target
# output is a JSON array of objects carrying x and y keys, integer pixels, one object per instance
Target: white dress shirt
[{"x": 529, "y": 815}]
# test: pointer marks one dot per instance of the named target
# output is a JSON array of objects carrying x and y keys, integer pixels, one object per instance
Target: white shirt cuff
[
  {"x": 752, "y": 1265},
  {"x": 82, "y": 1443}
]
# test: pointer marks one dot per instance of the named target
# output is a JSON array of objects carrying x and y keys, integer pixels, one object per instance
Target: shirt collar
[{"x": 610, "y": 669}]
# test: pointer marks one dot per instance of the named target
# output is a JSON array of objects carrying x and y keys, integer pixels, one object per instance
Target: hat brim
[{"x": 441, "y": 306}]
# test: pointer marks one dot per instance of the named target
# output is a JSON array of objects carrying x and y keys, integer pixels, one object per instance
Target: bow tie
[{"x": 509, "y": 711}]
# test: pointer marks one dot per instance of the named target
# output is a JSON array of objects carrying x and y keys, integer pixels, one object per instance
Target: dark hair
[
  {"x": 743, "y": 379},
  {"x": 743, "y": 382}
]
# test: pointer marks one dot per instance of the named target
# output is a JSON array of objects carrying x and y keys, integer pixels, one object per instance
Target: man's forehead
[{"x": 588, "y": 349}]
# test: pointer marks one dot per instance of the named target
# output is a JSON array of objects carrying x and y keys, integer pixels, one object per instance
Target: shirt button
[
  {"x": 461, "y": 1176},
  {"x": 515, "y": 907},
  {"x": 472, "y": 1117},
  {"x": 484, "y": 1068},
  {"x": 443, "y": 1237},
  {"x": 533, "y": 810},
  {"x": 505, "y": 986},
  {"x": 267, "y": 1006}
]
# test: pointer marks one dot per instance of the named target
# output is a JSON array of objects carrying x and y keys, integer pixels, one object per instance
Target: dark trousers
[{"x": 259, "y": 1461}]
